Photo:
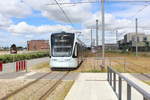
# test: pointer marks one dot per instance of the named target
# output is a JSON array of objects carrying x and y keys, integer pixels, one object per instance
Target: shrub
[{"x": 16, "y": 57}]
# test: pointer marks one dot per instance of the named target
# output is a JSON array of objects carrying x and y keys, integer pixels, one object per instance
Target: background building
[
  {"x": 37, "y": 45},
  {"x": 129, "y": 42}
]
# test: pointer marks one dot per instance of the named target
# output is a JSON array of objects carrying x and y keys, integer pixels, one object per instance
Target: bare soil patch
[
  {"x": 8, "y": 86},
  {"x": 35, "y": 91}
]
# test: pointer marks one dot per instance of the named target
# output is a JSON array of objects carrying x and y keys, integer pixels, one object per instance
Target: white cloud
[
  {"x": 14, "y": 8},
  {"x": 77, "y": 13},
  {"x": 111, "y": 23},
  {"x": 24, "y": 28},
  {"x": 4, "y": 21},
  {"x": 10, "y": 9}
]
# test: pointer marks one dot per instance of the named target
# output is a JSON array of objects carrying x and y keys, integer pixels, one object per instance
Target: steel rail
[
  {"x": 145, "y": 75},
  {"x": 53, "y": 87},
  {"x": 23, "y": 87}
]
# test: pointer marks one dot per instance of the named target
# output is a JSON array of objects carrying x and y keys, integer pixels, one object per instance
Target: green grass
[
  {"x": 41, "y": 65},
  {"x": 16, "y": 57},
  {"x": 147, "y": 82},
  {"x": 119, "y": 68},
  {"x": 95, "y": 71}
]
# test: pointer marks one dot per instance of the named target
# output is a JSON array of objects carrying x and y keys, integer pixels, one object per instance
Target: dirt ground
[
  {"x": 8, "y": 86},
  {"x": 35, "y": 91}
]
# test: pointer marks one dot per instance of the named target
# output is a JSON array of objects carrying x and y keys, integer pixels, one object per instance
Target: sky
[{"x": 24, "y": 20}]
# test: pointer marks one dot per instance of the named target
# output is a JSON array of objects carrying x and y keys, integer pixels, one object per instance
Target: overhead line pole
[
  {"x": 117, "y": 38},
  {"x": 103, "y": 31},
  {"x": 116, "y": 35},
  {"x": 91, "y": 38},
  {"x": 136, "y": 30},
  {"x": 97, "y": 33}
]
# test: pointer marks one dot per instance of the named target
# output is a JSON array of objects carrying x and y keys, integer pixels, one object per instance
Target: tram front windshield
[{"x": 62, "y": 44}]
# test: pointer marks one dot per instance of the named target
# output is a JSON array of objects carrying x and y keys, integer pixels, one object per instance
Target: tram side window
[
  {"x": 50, "y": 50},
  {"x": 75, "y": 53}
]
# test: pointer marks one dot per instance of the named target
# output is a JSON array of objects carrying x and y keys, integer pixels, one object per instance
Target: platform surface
[
  {"x": 91, "y": 86},
  {"x": 94, "y": 86}
]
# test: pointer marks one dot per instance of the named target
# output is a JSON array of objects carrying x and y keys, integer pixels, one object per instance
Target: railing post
[
  {"x": 108, "y": 74},
  {"x": 114, "y": 80},
  {"x": 1, "y": 66},
  {"x": 128, "y": 92},
  {"x": 110, "y": 77},
  {"x": 120, "y": 89}
]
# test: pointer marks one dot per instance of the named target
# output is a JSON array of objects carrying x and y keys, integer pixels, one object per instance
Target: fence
[
  {"x": 21, "y": 65},
  {"x": 127, "y": 65},
  {"x": 111, "y": 77},
  {"x": 97, "y": 64},
  {"x": 1, "y": 66}
]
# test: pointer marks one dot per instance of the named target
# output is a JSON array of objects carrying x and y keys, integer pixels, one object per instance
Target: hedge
[{"x": 16, "y": 57}]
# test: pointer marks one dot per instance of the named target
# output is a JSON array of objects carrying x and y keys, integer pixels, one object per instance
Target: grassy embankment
[{"x": 124, "y": 62}]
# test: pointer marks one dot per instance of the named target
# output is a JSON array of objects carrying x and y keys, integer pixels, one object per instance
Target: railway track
[
  {"x": 147, "y": 76},
  {"x": 48, "y": 88}
]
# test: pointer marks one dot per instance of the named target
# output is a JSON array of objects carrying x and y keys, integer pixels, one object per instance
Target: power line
[
  {"x": 140, "y": 10},
  {"x": 127, "y": 0},
  {"x": 70, "y": 3},
  {"x": 64, "y": 13}
]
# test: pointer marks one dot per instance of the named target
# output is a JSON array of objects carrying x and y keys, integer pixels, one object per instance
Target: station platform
[
  {"x": 94, "y": 86},
  {"x": 91, "y": 86}
]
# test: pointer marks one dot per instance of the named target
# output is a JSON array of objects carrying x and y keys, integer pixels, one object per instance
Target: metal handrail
[{"x": 146, "y": 95}]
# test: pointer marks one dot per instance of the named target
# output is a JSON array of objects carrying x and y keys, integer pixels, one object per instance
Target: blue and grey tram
[{"x": 66, "y": 50}]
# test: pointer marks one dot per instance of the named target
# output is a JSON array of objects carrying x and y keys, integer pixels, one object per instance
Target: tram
[{"x": 66, "y": 50}]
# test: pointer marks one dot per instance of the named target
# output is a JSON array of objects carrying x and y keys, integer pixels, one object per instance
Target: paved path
[
  {"x": 37, "y": 61},
  {"x": 91, "y": 86}
]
